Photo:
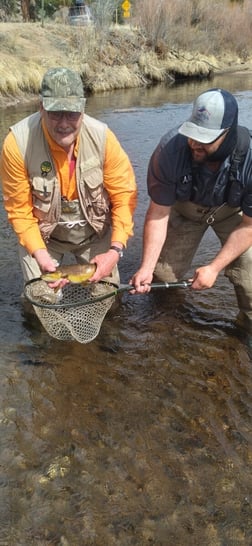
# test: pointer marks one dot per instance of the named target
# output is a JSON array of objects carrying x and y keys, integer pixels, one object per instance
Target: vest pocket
[
  {"x": 93, "y": 178},
  {"x": 94, "y": 194},
  {"x": 97, "y": 202},
  {"x": 42, "y": 192}
]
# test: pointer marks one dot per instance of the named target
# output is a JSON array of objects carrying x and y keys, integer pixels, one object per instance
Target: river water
[{"x": 143, "y": 436}]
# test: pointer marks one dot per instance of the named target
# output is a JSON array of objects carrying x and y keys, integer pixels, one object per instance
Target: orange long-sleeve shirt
[{"x": 119, "y": 181}]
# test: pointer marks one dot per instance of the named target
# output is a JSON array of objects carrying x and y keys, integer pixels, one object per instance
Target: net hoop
[{"x": 38, "y": 293}]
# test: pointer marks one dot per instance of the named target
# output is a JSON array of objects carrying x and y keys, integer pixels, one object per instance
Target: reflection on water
[{"x": 142, "y": 437}]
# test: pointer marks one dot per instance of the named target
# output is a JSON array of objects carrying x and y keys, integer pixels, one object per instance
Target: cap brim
[
  {"x": 206, "y": 136},
  {"x": 69, "y": 104}
]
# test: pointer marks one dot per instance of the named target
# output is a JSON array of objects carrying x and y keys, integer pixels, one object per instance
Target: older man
[{"x": 68, "y": 185}]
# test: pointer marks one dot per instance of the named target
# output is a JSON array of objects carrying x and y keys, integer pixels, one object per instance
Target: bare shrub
[
  {"x": 104, "y": 11},
  {"x": 199, "y": 25},
  {"x": 229, "y": 26},
  {"x": 157, "y": 18}
]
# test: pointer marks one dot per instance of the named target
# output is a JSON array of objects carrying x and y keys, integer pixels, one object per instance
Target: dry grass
[{"x": 123, "y": 57}]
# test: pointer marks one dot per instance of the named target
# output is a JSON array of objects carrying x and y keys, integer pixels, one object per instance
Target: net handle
[{"x": 117, "y": 290}]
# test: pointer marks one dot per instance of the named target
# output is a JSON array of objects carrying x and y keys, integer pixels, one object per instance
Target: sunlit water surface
[{"x": 143, "y": 436}]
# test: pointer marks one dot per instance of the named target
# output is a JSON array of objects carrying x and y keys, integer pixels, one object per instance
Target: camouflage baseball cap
[{"x": 62, "y": 89}]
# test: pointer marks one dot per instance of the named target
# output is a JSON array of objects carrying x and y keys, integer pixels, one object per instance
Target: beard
[
  {"x": 199, "y": 155},
  {"x": 227, "y": 146}
]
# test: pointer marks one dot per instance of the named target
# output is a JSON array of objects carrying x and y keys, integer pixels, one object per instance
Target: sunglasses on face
[{"x": 58, "y": 115}]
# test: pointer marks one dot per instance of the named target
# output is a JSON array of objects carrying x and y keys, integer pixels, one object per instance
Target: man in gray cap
[
  {"x": 68, "y": 185},
  {"x": 200, "y": 175}
]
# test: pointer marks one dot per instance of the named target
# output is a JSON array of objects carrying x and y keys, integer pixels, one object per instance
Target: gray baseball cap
[
  {"x": 62, "y": 90},
  {"x": 213, "y": 112}
]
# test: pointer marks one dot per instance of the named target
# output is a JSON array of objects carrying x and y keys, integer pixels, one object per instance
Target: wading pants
[{"x": 187, "y": 224}]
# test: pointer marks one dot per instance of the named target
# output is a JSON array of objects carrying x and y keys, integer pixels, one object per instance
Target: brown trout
[{"x": 75, "y": 273}]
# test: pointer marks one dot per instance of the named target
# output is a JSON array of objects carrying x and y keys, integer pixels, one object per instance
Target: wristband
[{"x": 118, "y": 250}]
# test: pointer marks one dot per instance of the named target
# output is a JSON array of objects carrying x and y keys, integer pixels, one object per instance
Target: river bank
[{"x": 121, "y": 59}]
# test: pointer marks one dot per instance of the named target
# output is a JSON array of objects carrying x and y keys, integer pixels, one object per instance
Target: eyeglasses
[{"x": 58, "y": 115}]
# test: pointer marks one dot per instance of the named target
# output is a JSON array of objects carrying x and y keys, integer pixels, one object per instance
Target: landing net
[{"x": 73, "y": 313}]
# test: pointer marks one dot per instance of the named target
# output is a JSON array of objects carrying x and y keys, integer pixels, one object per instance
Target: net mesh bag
[{"x": 73, "y": 313}]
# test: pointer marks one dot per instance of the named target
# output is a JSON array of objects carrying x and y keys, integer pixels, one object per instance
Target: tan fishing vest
[{"x": 93, "y": 203}]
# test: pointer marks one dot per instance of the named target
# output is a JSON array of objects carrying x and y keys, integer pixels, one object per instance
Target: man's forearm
[
  {"x": 153, "y": 240},
  {"x": 238, "y": 242}
]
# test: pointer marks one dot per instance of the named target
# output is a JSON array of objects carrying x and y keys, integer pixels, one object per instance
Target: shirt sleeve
[
  {"x": 161, "y": 189},
  {"x": 119, "y": 181},
  {"x": 17, "y": 196}
]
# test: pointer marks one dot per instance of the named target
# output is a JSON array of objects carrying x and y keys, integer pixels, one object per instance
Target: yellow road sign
[
  {"x": 126, "y": 5},
  {"x": 126, "y": 13}
]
